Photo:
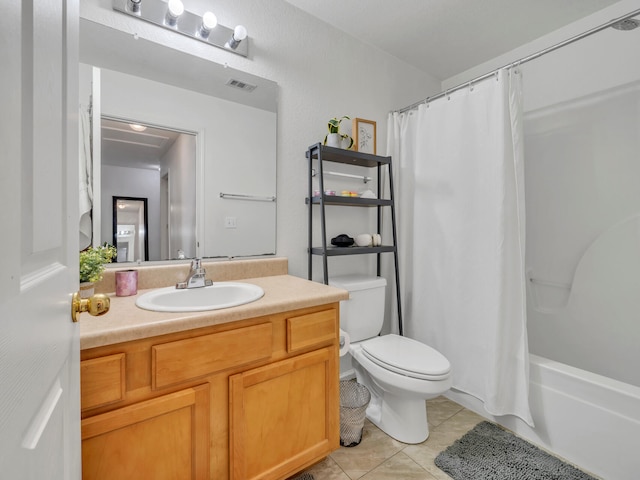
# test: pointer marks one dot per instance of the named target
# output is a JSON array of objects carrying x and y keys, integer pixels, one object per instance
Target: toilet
[{"x": 401, "y": 373}]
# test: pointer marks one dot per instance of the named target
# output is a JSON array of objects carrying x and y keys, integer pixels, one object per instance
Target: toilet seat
[{"x": 407, "y": 357}]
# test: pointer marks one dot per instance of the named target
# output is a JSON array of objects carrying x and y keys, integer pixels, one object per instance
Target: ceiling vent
[
  {"x": 247, "y": 87},
  {"x": 626, "y": 24}
]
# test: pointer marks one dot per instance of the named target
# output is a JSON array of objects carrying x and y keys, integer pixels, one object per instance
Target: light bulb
[
  {"x": 175, "y": 8},
  {"x": 209, "y": 22},
  {"x": 240, "y": 33}
]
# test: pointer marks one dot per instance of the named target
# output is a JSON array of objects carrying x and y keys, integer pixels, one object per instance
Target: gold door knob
[{"x": 96, "y": 305}]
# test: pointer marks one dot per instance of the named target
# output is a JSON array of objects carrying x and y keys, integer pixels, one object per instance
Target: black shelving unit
[{"x": 321, "y": 154}]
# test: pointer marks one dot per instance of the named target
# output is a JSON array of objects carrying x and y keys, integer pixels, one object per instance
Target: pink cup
[{"x": 126, "y": 283}]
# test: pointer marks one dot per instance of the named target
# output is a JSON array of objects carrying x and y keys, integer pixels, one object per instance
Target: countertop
[{"x": 126, "y": 322}]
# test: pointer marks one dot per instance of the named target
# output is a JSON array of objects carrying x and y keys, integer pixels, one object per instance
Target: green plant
[
  {"x": 334, "y": 127},
  {"x": 92, "y": 262}
]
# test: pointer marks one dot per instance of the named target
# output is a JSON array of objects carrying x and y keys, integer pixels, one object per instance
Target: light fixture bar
[{"x": 188, "y": 23}]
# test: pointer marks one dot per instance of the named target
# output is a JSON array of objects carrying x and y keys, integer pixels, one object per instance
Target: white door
[{"x": 39, "y": 344}]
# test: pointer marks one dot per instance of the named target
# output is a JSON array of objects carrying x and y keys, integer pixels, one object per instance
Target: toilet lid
[{"x": 407, "y": 356}]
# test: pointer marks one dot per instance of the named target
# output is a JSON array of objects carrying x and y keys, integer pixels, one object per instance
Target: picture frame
[{"x": 364, "y": 135}]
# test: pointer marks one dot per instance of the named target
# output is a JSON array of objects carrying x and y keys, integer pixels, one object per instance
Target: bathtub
[{"x": 590, "y": 420}]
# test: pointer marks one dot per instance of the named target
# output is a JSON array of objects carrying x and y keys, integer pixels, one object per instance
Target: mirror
[{"x": 230, "y": 117}]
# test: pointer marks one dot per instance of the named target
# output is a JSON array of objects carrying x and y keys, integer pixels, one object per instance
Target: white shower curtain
[{"x": 459, "y": 183}]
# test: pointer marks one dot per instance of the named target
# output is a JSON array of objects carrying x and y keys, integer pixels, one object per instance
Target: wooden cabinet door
[
  {"x": 284, "y": 416},
  {"x": 162, "y": 438}
]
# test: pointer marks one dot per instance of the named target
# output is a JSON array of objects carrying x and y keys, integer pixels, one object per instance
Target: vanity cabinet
[{"x": 252, "y": 399}]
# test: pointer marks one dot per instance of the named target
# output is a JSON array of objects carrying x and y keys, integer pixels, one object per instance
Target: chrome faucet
[{"x": 196, "y": 277}]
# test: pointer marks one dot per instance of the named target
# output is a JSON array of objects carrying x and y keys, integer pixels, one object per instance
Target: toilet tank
[{"x": 363, "y": 314}]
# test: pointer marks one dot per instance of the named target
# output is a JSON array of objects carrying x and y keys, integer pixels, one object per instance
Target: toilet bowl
[
  {"x": 401, "y": 373},
  {"x": 398, "y": 405}
]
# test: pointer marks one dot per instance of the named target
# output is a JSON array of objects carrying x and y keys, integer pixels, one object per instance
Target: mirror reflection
[
  {"x": 224, "y": 203},
  {"x": 158, "y": 165},
  {"x": 130, "y": 226}
]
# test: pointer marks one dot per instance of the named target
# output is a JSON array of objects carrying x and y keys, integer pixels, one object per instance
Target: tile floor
[{"x": 380, "y": 457}]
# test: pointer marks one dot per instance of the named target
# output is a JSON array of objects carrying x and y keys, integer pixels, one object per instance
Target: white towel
[{"x": 85, "y": 179}]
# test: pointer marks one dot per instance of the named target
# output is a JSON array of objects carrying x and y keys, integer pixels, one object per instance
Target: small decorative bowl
[{"x": 342, "y": 240}]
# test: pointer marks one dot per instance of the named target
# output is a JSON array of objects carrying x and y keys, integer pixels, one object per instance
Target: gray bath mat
[{"x": 490, "y": 453}]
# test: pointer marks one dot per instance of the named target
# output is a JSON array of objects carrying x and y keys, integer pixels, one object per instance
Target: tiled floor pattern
[{"x": 380, "y": 457}]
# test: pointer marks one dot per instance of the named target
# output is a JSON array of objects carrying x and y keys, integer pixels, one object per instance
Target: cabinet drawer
[
  {"x": 311, "y": 329},
  {"x": 193, "y": 357},
  {"x": 102, "y": 380}
]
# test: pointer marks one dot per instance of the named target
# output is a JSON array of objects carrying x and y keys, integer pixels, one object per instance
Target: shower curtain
[{"x": 459, "y": 178}]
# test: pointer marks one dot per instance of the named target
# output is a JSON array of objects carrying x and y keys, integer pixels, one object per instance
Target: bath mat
[
  {"x": 490, "y": 453},
  {"x": 303, "y": 476}
]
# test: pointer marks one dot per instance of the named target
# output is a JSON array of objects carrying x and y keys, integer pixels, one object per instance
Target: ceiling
[
  {"x": 447, "y": 37},
  {"x": 124, "y": 147}
]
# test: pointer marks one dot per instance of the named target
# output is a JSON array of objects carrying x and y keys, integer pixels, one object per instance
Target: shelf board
[
  {"x": 350, "y": 157},
  {"x": 353, "y": 250},
  {"x": 350, "y": 201}
]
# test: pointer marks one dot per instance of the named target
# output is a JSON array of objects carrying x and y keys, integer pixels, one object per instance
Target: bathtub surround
[
  {"x": 584, "y": 218},
  {"x": 461, "y": 215}
]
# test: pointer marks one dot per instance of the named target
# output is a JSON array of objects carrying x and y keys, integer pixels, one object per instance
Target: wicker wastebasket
[{"x": 354, "y": 400}]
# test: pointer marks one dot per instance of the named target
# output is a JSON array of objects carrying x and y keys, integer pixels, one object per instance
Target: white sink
[{"x": 219, "y": 295}]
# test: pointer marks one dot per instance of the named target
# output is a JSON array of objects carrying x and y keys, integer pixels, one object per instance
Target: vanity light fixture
[
  {"x": 172, "y": 15},
  {"x": 239, "y": 34}
]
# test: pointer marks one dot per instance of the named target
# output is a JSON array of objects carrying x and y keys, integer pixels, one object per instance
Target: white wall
[
  {"x": 85, "y": 85},
  {"x": 321, "y": 72},
  {"x": 180, "y": 163}
]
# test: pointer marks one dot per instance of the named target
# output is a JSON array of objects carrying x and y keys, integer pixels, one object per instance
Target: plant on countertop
[
  {"x": 92, "y": 261},
  {"x": 334, "y": 127}
]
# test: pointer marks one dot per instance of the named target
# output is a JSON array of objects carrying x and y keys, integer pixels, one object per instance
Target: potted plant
[
  {"x": 92, "y": 261},
  {"x": 334, "y": 138}
]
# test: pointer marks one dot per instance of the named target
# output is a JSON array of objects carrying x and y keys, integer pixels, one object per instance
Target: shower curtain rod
[{"x": 522, "y": 60}]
